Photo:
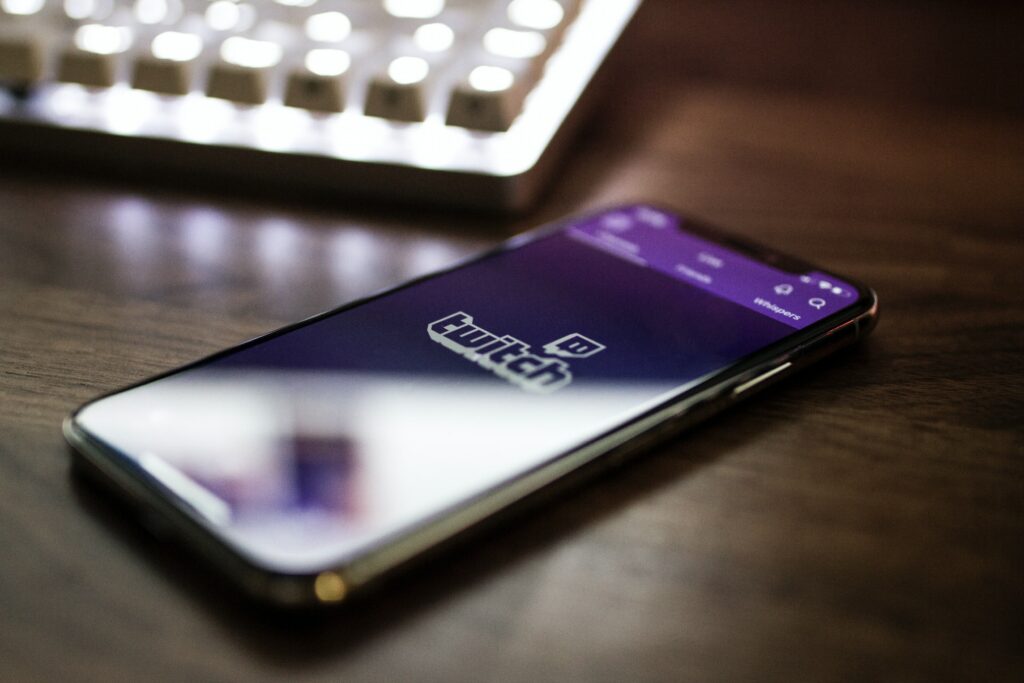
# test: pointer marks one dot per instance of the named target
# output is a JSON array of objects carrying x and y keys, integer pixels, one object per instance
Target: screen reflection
[{"x": 302, "y": 468}]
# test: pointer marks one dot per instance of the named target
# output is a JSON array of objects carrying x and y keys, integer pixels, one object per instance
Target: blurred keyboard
[{"x": 462, "y": 102}]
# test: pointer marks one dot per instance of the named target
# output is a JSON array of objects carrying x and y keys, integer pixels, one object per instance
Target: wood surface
[{"x": 862, "y": 521}]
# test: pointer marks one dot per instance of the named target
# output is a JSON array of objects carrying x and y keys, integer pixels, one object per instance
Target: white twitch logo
[{"x": 509, "y": 357}]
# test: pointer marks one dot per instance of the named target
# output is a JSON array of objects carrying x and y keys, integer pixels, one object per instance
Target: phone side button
[{"x": 750, "y": 384}]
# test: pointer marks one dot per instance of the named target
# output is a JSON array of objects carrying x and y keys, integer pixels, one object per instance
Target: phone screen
[{"x": 313, "y": 445}]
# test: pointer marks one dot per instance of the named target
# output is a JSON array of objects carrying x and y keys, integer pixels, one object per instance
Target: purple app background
[
  {"x": 656, "y": 319},
  {"x": 655, "y": 327}
]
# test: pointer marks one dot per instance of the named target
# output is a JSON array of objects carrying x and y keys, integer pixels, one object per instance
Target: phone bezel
[{"x": 393, "y": 551}]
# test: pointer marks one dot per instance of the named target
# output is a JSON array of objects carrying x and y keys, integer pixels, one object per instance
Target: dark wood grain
[{"x": 862, "y": 521}]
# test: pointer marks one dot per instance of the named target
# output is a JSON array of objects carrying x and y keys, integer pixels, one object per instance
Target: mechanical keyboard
[{"x": 458, "y": 102}]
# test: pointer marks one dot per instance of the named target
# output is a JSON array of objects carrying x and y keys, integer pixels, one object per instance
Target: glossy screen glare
[{"x": 259, "y": 444}]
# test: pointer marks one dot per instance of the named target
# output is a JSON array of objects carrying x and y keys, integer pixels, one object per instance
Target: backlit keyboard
[{"x": 462, "y": 102}]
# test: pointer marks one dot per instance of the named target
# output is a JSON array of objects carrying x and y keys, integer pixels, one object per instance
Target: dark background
[{"x": 862, "y": 521}]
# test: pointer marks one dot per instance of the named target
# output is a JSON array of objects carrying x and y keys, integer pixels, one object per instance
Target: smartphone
[{"x": 313, "y": 461}]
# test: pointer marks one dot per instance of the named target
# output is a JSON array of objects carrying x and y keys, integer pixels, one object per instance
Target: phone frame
[{"x": 336, "y": 583}]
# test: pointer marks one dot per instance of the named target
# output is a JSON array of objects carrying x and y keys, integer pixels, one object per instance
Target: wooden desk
[{"x": 862, "y": 521}]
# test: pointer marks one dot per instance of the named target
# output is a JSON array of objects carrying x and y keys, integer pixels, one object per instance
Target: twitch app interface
[{"x": 314, "y": 445}]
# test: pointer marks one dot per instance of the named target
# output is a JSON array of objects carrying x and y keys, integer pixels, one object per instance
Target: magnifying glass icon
[{"x": 817, "y": 303}]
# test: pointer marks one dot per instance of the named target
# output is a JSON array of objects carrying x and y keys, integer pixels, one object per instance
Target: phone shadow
[{"x": 296, "y": 640}]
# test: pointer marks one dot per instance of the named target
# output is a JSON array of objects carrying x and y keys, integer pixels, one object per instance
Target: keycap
[
  {"x": 489, "y": 99},
  {"x": 400, "y": 93},
  {"x": 240, "y": 84},
  {"x": 21, "y": 57},
  {"x": 320, "y": 85},
  {"x": 93, "y": 60},
  {"x": 87, "y": 68},
  {"x": 306, "y": 90},
  {"x": 168, "y": 68},
  {"x": 242, "y": 74},
  {"x": 161, "y": 75}
]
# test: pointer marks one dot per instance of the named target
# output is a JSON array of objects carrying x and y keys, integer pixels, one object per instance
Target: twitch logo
[
  {"x": 511, "y": 358},
  {"x": 573, "y": 346}
]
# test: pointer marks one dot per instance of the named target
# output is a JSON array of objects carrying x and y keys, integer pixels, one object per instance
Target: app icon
[
  {"x": 573, "y": 346},
  {"x": 784, "y": 289}
]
